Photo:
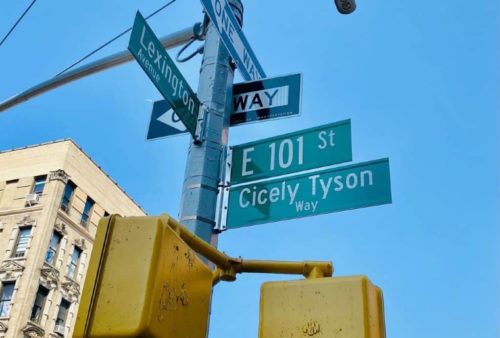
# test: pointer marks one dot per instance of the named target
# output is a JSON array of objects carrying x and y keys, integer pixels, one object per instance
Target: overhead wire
[
  {"x": 113, "y": 39},
  {"x": 17, "y": 22}
]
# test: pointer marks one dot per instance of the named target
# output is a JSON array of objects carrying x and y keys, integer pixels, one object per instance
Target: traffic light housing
[
  {"x": 143, "y": 281},
  {"x": 348, "y": 307}
]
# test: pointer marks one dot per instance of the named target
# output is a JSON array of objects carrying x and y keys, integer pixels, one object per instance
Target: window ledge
[
  {"x": 14, "y": 259},
  {"x": 21, "y": 210}
]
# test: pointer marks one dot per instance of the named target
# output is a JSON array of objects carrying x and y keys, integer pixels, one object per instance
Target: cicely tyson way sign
[
  {"x": 290, "y": 153},
  {"x": 311, "y": 193},
  {"x": 161, "y": 69}
]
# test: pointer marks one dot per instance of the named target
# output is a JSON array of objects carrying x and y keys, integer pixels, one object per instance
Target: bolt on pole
[{"x": 204, "y": 164}]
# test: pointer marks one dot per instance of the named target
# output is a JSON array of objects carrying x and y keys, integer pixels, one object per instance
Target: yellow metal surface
[
  {"x": 143, "y": 281},
  {"x": 230, "y": 266},
  {"x": 340, "y": 307}
]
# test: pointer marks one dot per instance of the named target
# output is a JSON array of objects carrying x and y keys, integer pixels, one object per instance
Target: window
[
  {"x": 62, "y": 314},
  {"x": 22, "y": 242},
  {"x": 53, "y": 246},
  {"x": 73, "y": 264},
  {"x": 68, "y": 193},
  {"x": 87, "y": 210},
  {"x": 39, "y": 184},
  {"x": 6, "y": 298},
  {"x": 41, "y": 296}
]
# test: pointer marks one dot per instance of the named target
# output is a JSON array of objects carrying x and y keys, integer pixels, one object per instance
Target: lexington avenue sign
[{"x": 161, "y": 69}]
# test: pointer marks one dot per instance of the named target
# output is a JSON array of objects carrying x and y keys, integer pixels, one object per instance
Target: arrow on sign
[
  {"x": 252, "y": 101},
  {"x": 164, "y": 121},
  {"x": 171, "y": 119}
]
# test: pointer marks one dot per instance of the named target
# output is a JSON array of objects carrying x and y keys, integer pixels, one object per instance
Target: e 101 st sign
[
  {"x": 307, "y": 194},
  {"x": 290, "y": 153}
]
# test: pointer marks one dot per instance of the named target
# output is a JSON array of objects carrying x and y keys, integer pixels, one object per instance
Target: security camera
[{"x": 345, "y": 6}]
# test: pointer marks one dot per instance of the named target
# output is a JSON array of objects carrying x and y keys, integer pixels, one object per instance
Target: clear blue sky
[{"x": 420, "y": 83}]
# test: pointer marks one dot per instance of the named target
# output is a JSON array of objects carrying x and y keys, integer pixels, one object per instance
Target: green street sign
[
  {"x": 308, "y": 194},
  {"x": 290, "y": 153},
  {"x": 161, "y": 69}
]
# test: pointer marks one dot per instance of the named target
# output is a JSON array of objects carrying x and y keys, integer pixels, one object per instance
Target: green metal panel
[
  {"x": 312, "y": 193},
  {"x": 294, "y": 152},
  {"x": 161, "y": 69}
]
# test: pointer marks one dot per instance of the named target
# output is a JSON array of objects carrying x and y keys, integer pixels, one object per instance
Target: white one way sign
[
  {"x": 252, "y": 101},
  {"x": 227, "y": 25}
]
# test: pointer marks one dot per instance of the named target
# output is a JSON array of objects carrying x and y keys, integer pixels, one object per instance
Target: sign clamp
[
  {"x": 199, "y": 135},
  {"x": 223, "y": 197}
]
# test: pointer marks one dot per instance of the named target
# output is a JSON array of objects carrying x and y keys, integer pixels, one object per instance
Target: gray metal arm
[{"x": 169, "y": 41}]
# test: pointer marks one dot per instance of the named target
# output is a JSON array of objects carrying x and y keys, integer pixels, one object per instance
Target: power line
[
  {"x": 113, "y": 39},
  {"x": 17, "y": 22}
]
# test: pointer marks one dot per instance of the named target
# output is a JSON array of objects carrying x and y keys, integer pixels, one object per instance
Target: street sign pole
[{"x": 205, "y": 161}]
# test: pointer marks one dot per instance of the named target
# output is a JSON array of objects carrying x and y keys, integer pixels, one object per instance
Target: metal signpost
[
  {"x": 290, "y": 153},
  {"x": 252, "y": 101},
  {"x": 222, "y": 16},
  {"x": 155, "y": 61},
  {"x": 307, "y": 194}
]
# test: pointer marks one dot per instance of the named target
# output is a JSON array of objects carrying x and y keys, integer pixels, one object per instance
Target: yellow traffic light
[
  {"x": 143, "y": 281},
  {"x": 348, "y": 307}
]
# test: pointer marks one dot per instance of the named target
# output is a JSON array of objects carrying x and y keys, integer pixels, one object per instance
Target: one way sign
[
  {"x": 266, "y": 99},
  {"x": 259, "y": 100}
]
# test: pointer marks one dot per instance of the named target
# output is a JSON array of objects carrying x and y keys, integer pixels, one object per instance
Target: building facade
[{"x": 51, "y": 199}]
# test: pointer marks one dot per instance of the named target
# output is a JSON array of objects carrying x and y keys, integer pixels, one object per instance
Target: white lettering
[
  {"x": 242, "y": 204},
  {"x": 141, "y": 40},
  {"x": 158, "y": 59},
  {"x": 339, "y": 183},
  {"x": 293, "y": 192},
  {"x": 370, "y": 177},
  {"x": 306, "y": 206},
  {"x": 326, "y": 187},
  {"x": 274, "y": 194},
  {"x": 324, "y": 143},
  {"x": 313, "y": 184},
  {"x": 261, "y": 200},
  {"x": 281, "y": 156},
  {"x": 246, "y": 159},
  {"x": 151, "y": 49},
  {"x": 321, "y": 136},
  {"x": 351, "y": 184}
]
